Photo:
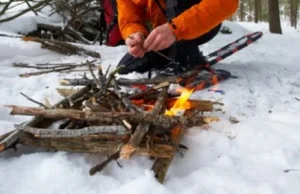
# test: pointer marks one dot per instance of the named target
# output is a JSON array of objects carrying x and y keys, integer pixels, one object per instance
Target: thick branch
[
  {"x": 161, "y": 165},
  {"x": 158, "y": 150},
  {"x": 160, "y": 121},
  {"x": 70, "y": 133},
  {"x": 67, "y": 102}
]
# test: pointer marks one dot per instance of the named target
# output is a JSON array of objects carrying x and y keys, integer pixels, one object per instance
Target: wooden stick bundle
[{"x": 99, "y": 118}]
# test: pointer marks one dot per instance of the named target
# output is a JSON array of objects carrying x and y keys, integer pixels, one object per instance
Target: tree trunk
[
  {"x": 257, "y": 11},
  {"x": 274, "y": 17},
  {"x": 250, "y": 5},
  {"x": 242, "y": 11},
  {"x": 293, "y": 12}
]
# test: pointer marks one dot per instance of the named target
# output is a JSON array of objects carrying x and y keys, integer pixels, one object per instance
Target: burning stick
[{"x": 148, "y": 90}]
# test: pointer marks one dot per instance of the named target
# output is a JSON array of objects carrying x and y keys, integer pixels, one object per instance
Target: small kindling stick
[{"x": 160, "y": 53}]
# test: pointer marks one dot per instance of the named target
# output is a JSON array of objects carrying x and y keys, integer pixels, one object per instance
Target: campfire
[
  {"x": 181, "y": 104},
  {"x": 100, "y": 117}
]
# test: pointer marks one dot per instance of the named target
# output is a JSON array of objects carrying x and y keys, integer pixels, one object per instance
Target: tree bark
[
  {"x": 142, "y": 129},
  {"x": 73, "y": 145},
  {"x": 161, "y": 165},
  {"x": 257, "y": 11},
  {"x": 242, "y": 11},
  {"x": 274, "y": 17},
  {"x": 250, "y": 5},
  {"x": 294, "y": 12},
  {"x": 9, "y": 139},
  {"x": 160, "y": 121},
  {"x": 71, "y": 133}
]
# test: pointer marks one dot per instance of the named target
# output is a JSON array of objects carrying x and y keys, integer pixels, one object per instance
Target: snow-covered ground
[{"x": 248, "y": 157}]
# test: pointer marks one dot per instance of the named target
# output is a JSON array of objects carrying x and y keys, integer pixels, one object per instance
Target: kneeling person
[{"x": 174, "y": 28}]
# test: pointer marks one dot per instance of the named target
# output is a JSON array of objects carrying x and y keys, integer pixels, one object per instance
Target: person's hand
[
  {"x": 135, "y": 44},
  {"x": 160, "y": 38}
]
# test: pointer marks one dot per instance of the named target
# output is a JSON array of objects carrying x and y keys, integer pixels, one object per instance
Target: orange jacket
[{"x": 192, "y": 23}]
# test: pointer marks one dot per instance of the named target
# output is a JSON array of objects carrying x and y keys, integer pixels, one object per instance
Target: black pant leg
[{"x": 151, "y": 60}]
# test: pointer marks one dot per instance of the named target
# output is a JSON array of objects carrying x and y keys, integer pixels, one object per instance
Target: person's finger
[
  {"x": 134, "y": 50},
  {"x": 130, "y": 42},
  {"x": 138, "y": 37},
  {"x": 150, "y": 39},
  {"x": 160, "y": 46},
  {"x": 140, "y": 53},
  {"x": 155, "y": 43}
]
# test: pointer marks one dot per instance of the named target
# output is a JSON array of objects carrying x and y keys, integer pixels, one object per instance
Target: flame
[
  {"x": 148, "y": 107},
  {"x": 200, "y": 86},
  {"x": 214, "y": 79},
  {"x": 181, "y": 103},
  {"x": 145, "y": 104},
  {"x": 138, "y": 102}
]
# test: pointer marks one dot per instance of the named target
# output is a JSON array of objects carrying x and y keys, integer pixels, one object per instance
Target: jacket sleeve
[
  {"x": 202, "y": 17},
  {"x": 131, "y": 18}
]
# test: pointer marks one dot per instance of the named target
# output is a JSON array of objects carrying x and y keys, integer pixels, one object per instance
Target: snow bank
[{"x": 28, "y": 22}]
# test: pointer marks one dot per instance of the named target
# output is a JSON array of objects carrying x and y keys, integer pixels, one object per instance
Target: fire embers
[
  {"x": 175, "y": 104},
  {"x": 205, "y": 79}
]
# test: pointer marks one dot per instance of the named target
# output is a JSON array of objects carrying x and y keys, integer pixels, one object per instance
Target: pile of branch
[
  {"x": 45, "y": 68},
  {"x": 102, "y": 118},
  {"x": 81, "y": 19}
]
